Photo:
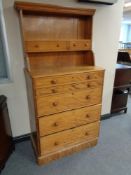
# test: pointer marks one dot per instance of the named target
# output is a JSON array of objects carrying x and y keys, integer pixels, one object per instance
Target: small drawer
[
  {"x": 69, "y": 137},
  {"x": 45, "y": 46},
  {"x": 62, "y": 102},
  {"x": 54, "y": 45},
  {"x": 70, "y": 119},
  {"x": 68, "y": 88},
  {"x": 67, "y": 79},
  {"x": 80, "y": 45}
]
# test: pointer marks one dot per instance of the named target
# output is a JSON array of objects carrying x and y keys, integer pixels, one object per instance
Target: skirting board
[
  {"x": 21, "y": 138},
  {"x": 106, "y": 116}
]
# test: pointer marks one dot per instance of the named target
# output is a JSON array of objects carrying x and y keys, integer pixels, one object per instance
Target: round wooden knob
[
  {"x": 87, "y": 116},
  {"x": 55, "y": 124},
  {"x": 53, "y": 82},
  {"x": 74, "y": 44},
  {"x": 54, "y": 103},
  {"x": 57, "y": 45},
  {"x": 56, "y": 143},
  {"x": 87, "y": 97},
  {"x": 88, "y": 85},
  {"x": 86, "y": 133},
  {"x": 54, "y": 90},
  {"x": 88, "y": 77},
  {"x": 36, "y": 46},
  {"x": 86, "y": 45}
]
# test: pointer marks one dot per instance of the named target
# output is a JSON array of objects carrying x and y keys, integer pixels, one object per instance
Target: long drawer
[
  {"x": 62, "y": 102},
  {"x": 70, "y": 119},
  {"x": 61, "y": 140},
  {"x": 68, "y": 88},
  {"x": 48, "y": 81}
]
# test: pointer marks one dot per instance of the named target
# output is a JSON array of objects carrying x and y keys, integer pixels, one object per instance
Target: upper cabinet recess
[{"x": 55, "y": 34}]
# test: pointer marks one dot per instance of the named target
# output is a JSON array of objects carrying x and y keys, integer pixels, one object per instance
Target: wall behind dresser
[{"x": 105, "y": 45}]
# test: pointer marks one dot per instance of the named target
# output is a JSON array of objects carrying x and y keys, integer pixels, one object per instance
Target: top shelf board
[{"x": 52, "y": 9}]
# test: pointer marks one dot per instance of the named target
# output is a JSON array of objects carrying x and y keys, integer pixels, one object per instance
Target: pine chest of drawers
[
  {"x": 67, "y": 109},
  {"x": 64, "y": 86}
]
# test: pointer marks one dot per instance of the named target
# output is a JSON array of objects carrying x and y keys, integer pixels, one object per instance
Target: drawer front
[
  {"x": 67, "y": 79},
  {"x": 80, "y": 45},
  {"x": 45, "y": 46},
  {"x": 69, "y": 137},
  {"x": 69, "y": 88},
  {"x": 54, "y": 104},
  {"x": 53, "y": 46},
  {"x": 70, "y": 119}
]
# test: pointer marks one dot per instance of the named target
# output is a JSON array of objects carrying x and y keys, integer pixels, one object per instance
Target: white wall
[
  {"x": 124, "y": 32},
  {"x": 107, "y": 21}
]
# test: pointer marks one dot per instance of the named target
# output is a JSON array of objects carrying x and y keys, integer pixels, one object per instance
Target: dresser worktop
[{"x": 49, "y": 71}]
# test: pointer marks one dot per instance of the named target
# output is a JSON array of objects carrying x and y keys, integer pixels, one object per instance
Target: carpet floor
[{"x": 112, "y": 155}]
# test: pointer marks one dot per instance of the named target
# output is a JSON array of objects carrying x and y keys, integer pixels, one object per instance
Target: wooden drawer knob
[
  {"x": 87, "y": 116},
  {"x": 55, "y": 104},
  {"x": 55, "y": 124},
  {"x": 56, "y": 143},
  {"x": 86, "y": 133},
  {"x": 87, "y": 97},
  {"x": 53, "y": 82},
  {"x": 54, "y": 91},
  {"x": 36, "y": 46},
  {"x": 86, "y": 44},
  {"x": 88, "y": 77},
  {"x": 74, "y": 45},
  {"x": 57, "y": 45},
  {"x": 88, "y": 85}
]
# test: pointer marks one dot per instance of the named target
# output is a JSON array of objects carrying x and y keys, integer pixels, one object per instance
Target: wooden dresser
[
  {"x": 122, "y": 84},
  {"x": 6, "y": 139},
  {"x": 64, "y": 87}
]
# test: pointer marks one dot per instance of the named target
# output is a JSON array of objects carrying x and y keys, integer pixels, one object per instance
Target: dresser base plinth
[{"x": 70, "y": 150}]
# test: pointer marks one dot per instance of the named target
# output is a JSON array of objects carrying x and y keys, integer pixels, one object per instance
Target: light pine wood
[
  {"x": 70, "y": 119},
  {"x": 52, "y": 9},
  {"x": 47, "y": 81},
  {"x": 59, "y": 59},
  {"x": 80, "y": 45},
  {"x": 53, "y": 46},
  {"x": 64, "y": 85},
  {"x": 62, "y": 139},
  {"x": 63, "y": 102},
  {"x": 44, "y": 28},
  {"x": 32, "y": 113},
  {"x": 46, "y": 46},
  {"x": 73, "y": 70},
  {"x": 66, "y": 151},
  {"x": 39, "y": 27},
  {"x": 69, "y": 88}
]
